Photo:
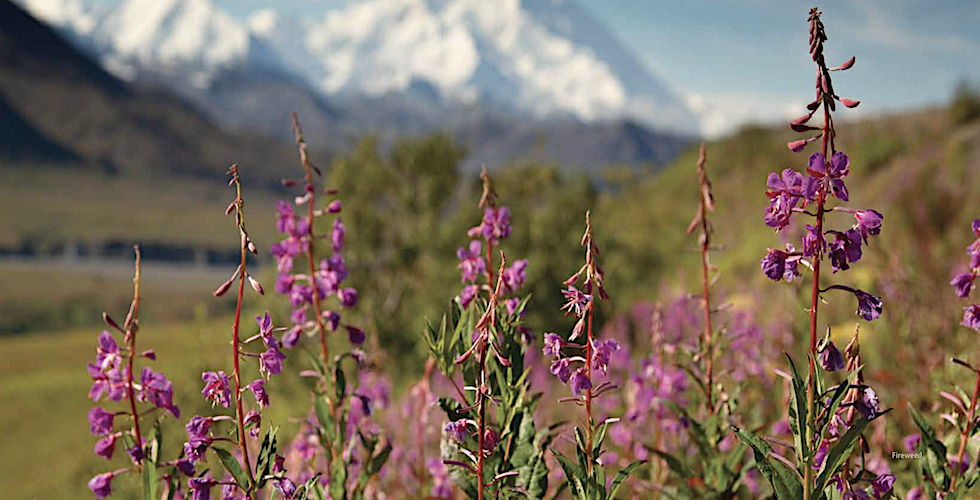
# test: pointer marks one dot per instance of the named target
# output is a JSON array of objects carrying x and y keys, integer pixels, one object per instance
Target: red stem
[
  {"x": 707, "y": 305},
  {"x": 131, "y": 337},
  {"x": 588, "y": 392},
  {"x": 966, "y": 434},
  {"x": 481, "y": 426},
  {"x": 240, "y": 416},
  {"x": 490, "y": 266}
]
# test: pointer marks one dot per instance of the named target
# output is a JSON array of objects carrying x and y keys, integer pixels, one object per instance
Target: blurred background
[{"x": 118, "y": 120}]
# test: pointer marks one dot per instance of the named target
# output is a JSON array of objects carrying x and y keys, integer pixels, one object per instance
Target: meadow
[{"x": 434, "y": 377}]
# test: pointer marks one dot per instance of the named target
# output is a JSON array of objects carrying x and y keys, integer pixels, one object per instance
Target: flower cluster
[
  {"x": 219, "y": 391},
  {"x": 473, "y": 266},
  {"x": 860, "y": 402},
  {"x": 112, "y": 379},
  {"x": 964, "y": 282},
  {"x": 318, "y": 281},
  {"x": 577, "y": 370}
]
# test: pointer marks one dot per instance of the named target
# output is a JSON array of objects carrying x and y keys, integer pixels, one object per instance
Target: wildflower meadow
[{"x": 586, "y": 346}]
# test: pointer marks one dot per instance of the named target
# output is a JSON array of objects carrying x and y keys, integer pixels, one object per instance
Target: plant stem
[
  {"x": 814, "y": 303},
  {"x": 481, "y": 424},
  {"x": 965, "y": 437},
  {"x": 705, "y": 242},
  {"x": 490, "y": 266},
  {"x": 588, "y": 392},
  {"x": 236, "y": 352},
  {"x": 131, "y": 327}
]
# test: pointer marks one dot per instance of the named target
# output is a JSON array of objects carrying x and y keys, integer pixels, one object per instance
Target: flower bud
[
  {"x": 335, "y": 206},
  {"x": 231, "y": 206},
  {"x": 109, "y": 321},
  {"x": 847, "y": 65},
  {"x": 288, "y": 183},
  {"x": 850, "y": 103},
  {"x": 255, "y": 285}
]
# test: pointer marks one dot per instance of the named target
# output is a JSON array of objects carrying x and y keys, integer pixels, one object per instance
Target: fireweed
[
  {"x": 823, "y": 446},
  {"x": 243, "y": 480},
  {"x": 112, "y": 379},
  {"x": 676, "y": 408},
  {"x": 500, "y": 453},
  {"x": 338, "y": 439},
  {"x": 946, "y": 475},
  {"x": 589, "y": 361}
]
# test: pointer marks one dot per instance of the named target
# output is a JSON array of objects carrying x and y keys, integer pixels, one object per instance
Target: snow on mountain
[
  {"x": 545, "y": 58},
  {"x": 542, "y": 56}
]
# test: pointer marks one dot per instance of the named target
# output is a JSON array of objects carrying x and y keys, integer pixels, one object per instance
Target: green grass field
[{"x": 47, "y": 448}]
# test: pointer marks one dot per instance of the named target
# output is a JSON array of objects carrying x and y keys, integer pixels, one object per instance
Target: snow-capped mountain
[{"x": 546, "y": 58}]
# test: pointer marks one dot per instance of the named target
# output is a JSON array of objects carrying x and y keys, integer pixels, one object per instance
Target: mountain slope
[{"x": 72, "y": 101}]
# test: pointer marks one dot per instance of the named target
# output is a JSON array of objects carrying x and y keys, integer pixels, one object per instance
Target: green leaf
[
  {"x": 233, "y": 467},
  {"x": 621, "y": 476},
  {"x": 338, "y": 480},
  {"x": 149, "y": 480},
  {"x": 835, "y": 402},
  {"x": 785, "y": 482},
  {"x": 267, "y": 456},
  {"x": 935, "y": 451},
  {"x": 597, "y": 440},
  {"x": 673, "y": 462},
  {"x": 842, "y": 450},
  {"x": 798, "y": 409},
  {"x": 574, "y": 476},
  {"x": 317, "y": 363},
  {"x": 340, "y": 383}
]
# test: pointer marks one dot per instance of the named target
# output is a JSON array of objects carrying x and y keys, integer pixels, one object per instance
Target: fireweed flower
[
  {"x": 831, "y": 359},
  {"x": 845, "y": 249},
  {"x": 971, "y": 317},
  {"x": 869, "y": 306},
  {"x": 100, "y": 421},
  {"x": 552, "y": 345},
  {"x": 963, "y": 283},
  {"x": 101, "y": 485},
  {"x": 833, "y": 176},
  {"x": 216, "y": 388},
  {"x": 471, "y": 263}
]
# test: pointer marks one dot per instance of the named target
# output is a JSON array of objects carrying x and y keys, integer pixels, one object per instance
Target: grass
[{"x": 47, "y": 448}]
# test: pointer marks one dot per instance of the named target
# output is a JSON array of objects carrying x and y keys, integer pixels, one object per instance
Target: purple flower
[
  {"x": 348, "y": 297},
  {"x": 820, "y": 455},
  {"x": 917, "y": 493},
  {"x": 355, "y": 335},
  {"x": 101, "y": 485},
  {"x": 286, "y": 218},
  {"x": 291, "y": 337},
  {"x": 99, "y": 421},
  {"x": 813, "y": 241},
  {"x": 441, "y": 484},
  {"x": 107, "y": 352},
  {"x": 971, "y": 317},
  {"x": 845, "y": 249},
  {"x": 868, "y": 223},
  {"x": 869, "y": 306},
  {"x": 495, "y": 225},
  {"x": 200, "y": 487},
  {"x": 471, "y": 264},
  {"x": 253, "y": 420},
  {"x": 335, "y": 206},
  {"x": 457, "y": 430},
  {"x": 963, "y": 284},
  {"x": 601, "y": 351},
  {"x": 337, "y": 235},
  {"x": 216, "y": 388},
  {"x": 135, "y": 454},
  {"x": 106, "y": 446},
  {"x": 830, "y": 358},
  {"x": 963, "y": 464},
  {"x": 270, "y": 361},
  {"x": 515, "y": 275},
  {"x": 490, "y": 439},
  {"x": 580, "y": 381},
  {"x": 839, "y": 164},
  {"x": 552, "y": 345},
  {"x": 185, "y": 466},
  {"x": 258, "y": 389},
  {"x": 560, "y": 369},
  {"x": 512, "y": 304},
  {"x": 575, "y": 301},
  {"x": 786, "y": 191},
  {"x": 158, "y": 391},
  {"x": 265, "y": 323},
  {"x": 911, "y": 442},
  {"x": 286, "y": 487},
  {"x": 774, "y": 264},
  {"x": 284, "y": 283},
  {"x": 332, "y": 319},
  {"x": 868, "y": 403},
  {"x": 198, "y": 437},
  {"x": 467, "y": 295},
  {"x": 855, "y": 494},
  {"x": 883, "y": 484}
]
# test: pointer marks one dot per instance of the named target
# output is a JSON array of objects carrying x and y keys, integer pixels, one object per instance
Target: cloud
[{"x": 723, "y": 113}]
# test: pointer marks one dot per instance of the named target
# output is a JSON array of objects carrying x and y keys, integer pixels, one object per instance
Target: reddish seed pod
[
  {"x": 847, "y": 65},
  {"x": 222, "y": 289},
  {"x": 331, "y": 191},
  {"x": 251, "y": 247},
  {"x": 288, "y": 183},
  {"x": 231, "y": 206},
  {"x": 109, "y": 321},
  {"x": 255, "y": 285},
  {"x": 149, "y": 354},
  {"x": 801, "y": 128},
  {"x": 850, "y": 103}
]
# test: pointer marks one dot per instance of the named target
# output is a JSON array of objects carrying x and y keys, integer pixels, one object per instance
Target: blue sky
[{"x": 746, "y": 60}]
